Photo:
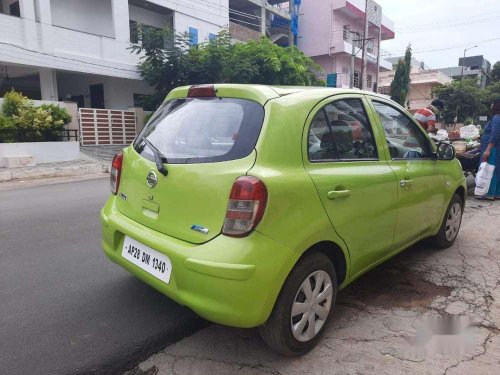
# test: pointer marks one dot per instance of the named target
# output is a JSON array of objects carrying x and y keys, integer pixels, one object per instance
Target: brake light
[
  {"x": 246, "y": 207},
  {"x": 201, "y": 91},
  {"x": 116, "y": 170}
]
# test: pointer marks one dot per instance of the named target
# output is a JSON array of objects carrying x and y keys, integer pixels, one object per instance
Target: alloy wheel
[
  {"x": 311, "y": 306},
  {"x": 453, "y": 221}
]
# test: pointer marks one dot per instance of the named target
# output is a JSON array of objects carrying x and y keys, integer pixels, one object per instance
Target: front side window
[
  {"x": 404, "y": 137},
  {"x": 203, "y": 130},
  {"x": 341, "y": 131}
]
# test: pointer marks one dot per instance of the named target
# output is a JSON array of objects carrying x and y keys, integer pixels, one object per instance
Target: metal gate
[{"x": 106, "y": 126}]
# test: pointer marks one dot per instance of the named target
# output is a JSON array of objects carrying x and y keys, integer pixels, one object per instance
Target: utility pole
[
  {"x": 378, "y": 58},
  {"x": 364, "y": 55},
  {"x": 263, "y": 18},
  {"x": 463, "y": 62},
  {"x": 353, "y": 55}
]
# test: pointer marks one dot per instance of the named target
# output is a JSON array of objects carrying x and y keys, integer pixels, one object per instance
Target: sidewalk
[{"x": 79, "y": 167}]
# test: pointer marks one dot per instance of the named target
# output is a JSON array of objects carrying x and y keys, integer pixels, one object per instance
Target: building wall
[
  {"x": 314, "y": 27},
  {"x": 183, "y": 22},
  {"x": 147, "y": 17},
  {"x": 422, "y": 83},
  {"x": 341, "y": 64},
  {"x": 118, "y": 93},
  {"x": 321, "y": 24},
  {"x": 91, "y": 16},
  {"x": 243, "y": 33},
  {"x": 83, "y": 42}
]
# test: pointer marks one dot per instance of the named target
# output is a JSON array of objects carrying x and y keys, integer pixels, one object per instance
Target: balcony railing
[{"x": 30, "y": 42}]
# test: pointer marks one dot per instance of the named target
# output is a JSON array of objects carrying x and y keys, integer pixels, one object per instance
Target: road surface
[{"x": 64, "y": 308}]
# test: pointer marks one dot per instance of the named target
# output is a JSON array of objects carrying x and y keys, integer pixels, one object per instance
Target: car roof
[{"x": 263, "y": 93}]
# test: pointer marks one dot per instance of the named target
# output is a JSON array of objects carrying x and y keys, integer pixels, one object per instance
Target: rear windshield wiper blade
[{"x": 159, "y": 157}]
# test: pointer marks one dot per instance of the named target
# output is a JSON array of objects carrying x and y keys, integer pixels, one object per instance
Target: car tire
[
  {"x": 277, "y": 332},
  {"x": 450, "y": 226}
]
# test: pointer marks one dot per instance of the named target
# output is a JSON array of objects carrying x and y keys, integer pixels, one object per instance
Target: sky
[{"x": 440, "y": 30}]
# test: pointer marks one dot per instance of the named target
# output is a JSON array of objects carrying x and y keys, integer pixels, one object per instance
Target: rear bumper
[{"x": 230, "y": 281}]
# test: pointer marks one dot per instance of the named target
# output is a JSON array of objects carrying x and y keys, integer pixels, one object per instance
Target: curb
[{"x": 66, "y": 171}]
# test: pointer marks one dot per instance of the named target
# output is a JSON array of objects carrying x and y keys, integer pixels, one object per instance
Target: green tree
[
  {"x": 463, "y": 100},
  {"x": 168, "y": 60},
  {"x": 400, "y": 86},
  {"x": 495, "y": 72}
]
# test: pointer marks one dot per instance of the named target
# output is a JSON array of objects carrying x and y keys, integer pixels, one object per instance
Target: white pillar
[
  {"x": 44, "y": 18},
  {"x": 48, "y": 84},
  {"x": 263, "y": 22},
  {"x": 27, "y": 10},
  {"x": 119, "y": 9},
  {"x": 43, "y": 12}
]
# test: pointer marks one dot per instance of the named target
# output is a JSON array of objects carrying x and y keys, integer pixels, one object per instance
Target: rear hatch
[{"x": 208, "y": 142}]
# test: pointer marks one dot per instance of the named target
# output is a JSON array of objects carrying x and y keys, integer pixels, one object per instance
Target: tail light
[
  {"x": 247, "y": 204},
  {"x": 201, "y": 91},
  {"x": 116, "y": 170}
]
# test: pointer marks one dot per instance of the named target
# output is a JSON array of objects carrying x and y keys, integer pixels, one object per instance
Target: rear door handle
[
  {"x": 405, "y": 183},
  {"x": 335, "y": 194}
]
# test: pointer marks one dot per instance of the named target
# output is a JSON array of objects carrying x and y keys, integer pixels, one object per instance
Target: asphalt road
[{"x": 64, "y": 308}]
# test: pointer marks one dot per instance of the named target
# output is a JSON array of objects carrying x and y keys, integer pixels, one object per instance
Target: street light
[{"x": 463, "y": 62}]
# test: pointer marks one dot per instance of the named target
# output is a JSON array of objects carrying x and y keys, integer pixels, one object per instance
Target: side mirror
[{"x": 445, "y": 151}]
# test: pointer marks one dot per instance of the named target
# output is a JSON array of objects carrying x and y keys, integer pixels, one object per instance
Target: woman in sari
[{"x": 490, "y": 149}]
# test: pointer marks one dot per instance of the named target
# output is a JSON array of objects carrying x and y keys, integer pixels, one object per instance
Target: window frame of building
[
  {"x": 369, "y": 81},
  {"x": 347, "y": 33},
  {"x": 357, "y": 79},
  {"x": 193, "y": 36},
  {"x": 14, "y": 9}
]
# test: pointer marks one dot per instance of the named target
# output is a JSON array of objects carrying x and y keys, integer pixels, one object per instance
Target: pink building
[{"x": 327, "y": 29}]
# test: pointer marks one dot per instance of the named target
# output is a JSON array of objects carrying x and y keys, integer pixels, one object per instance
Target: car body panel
[
  {"x": 236, "y": 281},
  {"x": 225, "y": 280},
  {"x": 373, "y": 193},
  {"x": 190, "y": 195}
]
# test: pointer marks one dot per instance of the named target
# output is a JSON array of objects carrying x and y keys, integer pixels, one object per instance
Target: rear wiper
[{"x": 159, "y": 157}]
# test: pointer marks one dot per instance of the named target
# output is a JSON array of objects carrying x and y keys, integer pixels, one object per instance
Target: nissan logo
[{"x": 151, "y": 179}]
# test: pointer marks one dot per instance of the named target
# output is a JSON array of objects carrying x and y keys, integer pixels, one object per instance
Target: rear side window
[
  {"x": 203, "y": 130},
  {"x": 341, "y": 131}
]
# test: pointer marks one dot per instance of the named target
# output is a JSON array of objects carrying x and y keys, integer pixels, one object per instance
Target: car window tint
[
  {"x": 404, "y": 137},
  {"x": 203, "y": 130},
  {"x": 319, "y": 131},
  {"x": 341, "y": 131}
]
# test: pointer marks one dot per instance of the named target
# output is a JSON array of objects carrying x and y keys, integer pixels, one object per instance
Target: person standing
[
  {"x": 426, "y": 117},
  {"x": 490, "y": 149}
]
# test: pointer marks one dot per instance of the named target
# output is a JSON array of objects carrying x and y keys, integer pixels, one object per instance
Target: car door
[
  {"x": 356, "y": 186},
  {"x": 420, "y": 178}
]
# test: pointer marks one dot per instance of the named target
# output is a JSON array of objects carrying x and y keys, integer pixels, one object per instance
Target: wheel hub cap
[
  {"x": 453, "y": 222},
  {"x": 311, "y": 306}
]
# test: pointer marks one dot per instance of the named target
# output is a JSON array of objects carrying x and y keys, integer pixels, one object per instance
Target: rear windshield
[{"x": 203, "y": 130}]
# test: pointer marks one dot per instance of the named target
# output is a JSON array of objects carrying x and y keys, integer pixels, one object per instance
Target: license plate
[{"x": 150, "y": 260}]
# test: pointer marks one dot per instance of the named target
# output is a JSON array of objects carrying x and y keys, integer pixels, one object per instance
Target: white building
[{"x": 78, "y": 49}]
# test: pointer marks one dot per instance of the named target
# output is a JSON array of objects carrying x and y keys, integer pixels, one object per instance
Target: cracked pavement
[{"x": 381, "y": 318}]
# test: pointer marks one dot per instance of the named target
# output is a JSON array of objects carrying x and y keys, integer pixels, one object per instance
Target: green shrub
[
  {"x": 60, "y": 115},
  {"x": 147, "y": 117},
  {"x": 7, "y": 130},
  {"x": 12, "y": 102},
  {"x": 23, "y": 122}
]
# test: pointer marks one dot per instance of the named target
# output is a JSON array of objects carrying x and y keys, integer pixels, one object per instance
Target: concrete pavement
[
  {"x": 64, "y": 308},
  {"x": 381, "y": 319},
  {"x": 79, "y": 167}
]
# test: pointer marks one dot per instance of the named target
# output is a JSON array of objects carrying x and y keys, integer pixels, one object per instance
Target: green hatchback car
[{"x": 253, "y": 205}]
